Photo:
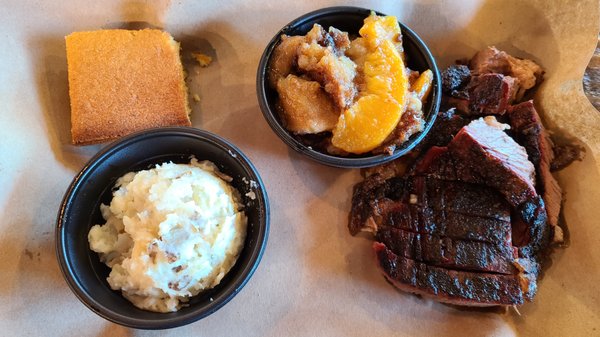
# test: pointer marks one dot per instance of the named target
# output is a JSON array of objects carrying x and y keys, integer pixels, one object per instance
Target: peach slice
[
  {"x": 371, "y": 119},
  {"x": 422, "y": 85}
]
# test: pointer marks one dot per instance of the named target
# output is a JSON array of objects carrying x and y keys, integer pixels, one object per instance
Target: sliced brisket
[
  {"x": 452, "y": 196},
  {"x": 454, "y": 286},
  {"x": 458, "y": 197},
  {"x": 453, "y": 209},
  {"x": 424, "y": 220},
  {"x": 439, "y": 163},
  {"x": 449, "y": 253},
  {"x": 530, "y": 230},
  {"x": 445, "y": 230},
  {"x": 528, "y": 131},
  {"x": 468, "y": 216},
  {"x": 482, "y": 154}
]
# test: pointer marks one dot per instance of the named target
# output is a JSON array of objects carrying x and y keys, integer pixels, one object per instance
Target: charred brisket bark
[{"x": 454, "y": 79}]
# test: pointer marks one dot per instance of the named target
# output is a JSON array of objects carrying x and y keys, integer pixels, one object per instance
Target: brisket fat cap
[{"x": 454, "y": 79}]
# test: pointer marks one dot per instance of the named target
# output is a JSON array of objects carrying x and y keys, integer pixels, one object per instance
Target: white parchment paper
[{"x": 315, "y": 279}]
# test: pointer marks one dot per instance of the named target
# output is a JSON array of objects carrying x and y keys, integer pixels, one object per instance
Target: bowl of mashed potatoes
[{"x": 162, "y": 228}]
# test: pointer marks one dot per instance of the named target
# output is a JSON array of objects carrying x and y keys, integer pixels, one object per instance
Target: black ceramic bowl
[
  {"x": 348, "y": 19},
  {"x": 80, "y": 210}
]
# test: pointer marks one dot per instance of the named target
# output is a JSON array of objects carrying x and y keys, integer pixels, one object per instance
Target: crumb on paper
[
  {"x": 203, "y": 59},
  {"x": 558, "y": 235},
  {"x": 196, "y": 97}
]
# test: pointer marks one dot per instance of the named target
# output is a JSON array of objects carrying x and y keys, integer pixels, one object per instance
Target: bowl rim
[
  {"x": 328, "y": 159},
  {"x": 232, "y": 289}
]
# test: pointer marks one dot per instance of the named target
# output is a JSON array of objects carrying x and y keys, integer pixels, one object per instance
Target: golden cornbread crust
[{"x": 122, "y": 81}]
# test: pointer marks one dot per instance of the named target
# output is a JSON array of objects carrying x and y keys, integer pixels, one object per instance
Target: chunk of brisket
[
  {"x": 490, "y": 94},
  {"x": 487, "y": 94},
  {"x": 495, "y": 159},
  {"x": 454, "y": 286},
  {"x": 492, "y": 60},
  {"x": 528, "y": 131},
  {"x": 455, "y": 78}
]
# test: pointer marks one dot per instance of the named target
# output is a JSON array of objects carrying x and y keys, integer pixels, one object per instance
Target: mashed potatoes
[{"x": 170, "y": 233}]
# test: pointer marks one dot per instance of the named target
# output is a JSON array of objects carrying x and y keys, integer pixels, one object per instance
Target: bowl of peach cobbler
[{"x": 348, "y": 87}]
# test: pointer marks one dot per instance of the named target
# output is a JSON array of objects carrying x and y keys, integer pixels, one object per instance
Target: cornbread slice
[{"x": 122, "y": 81}]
